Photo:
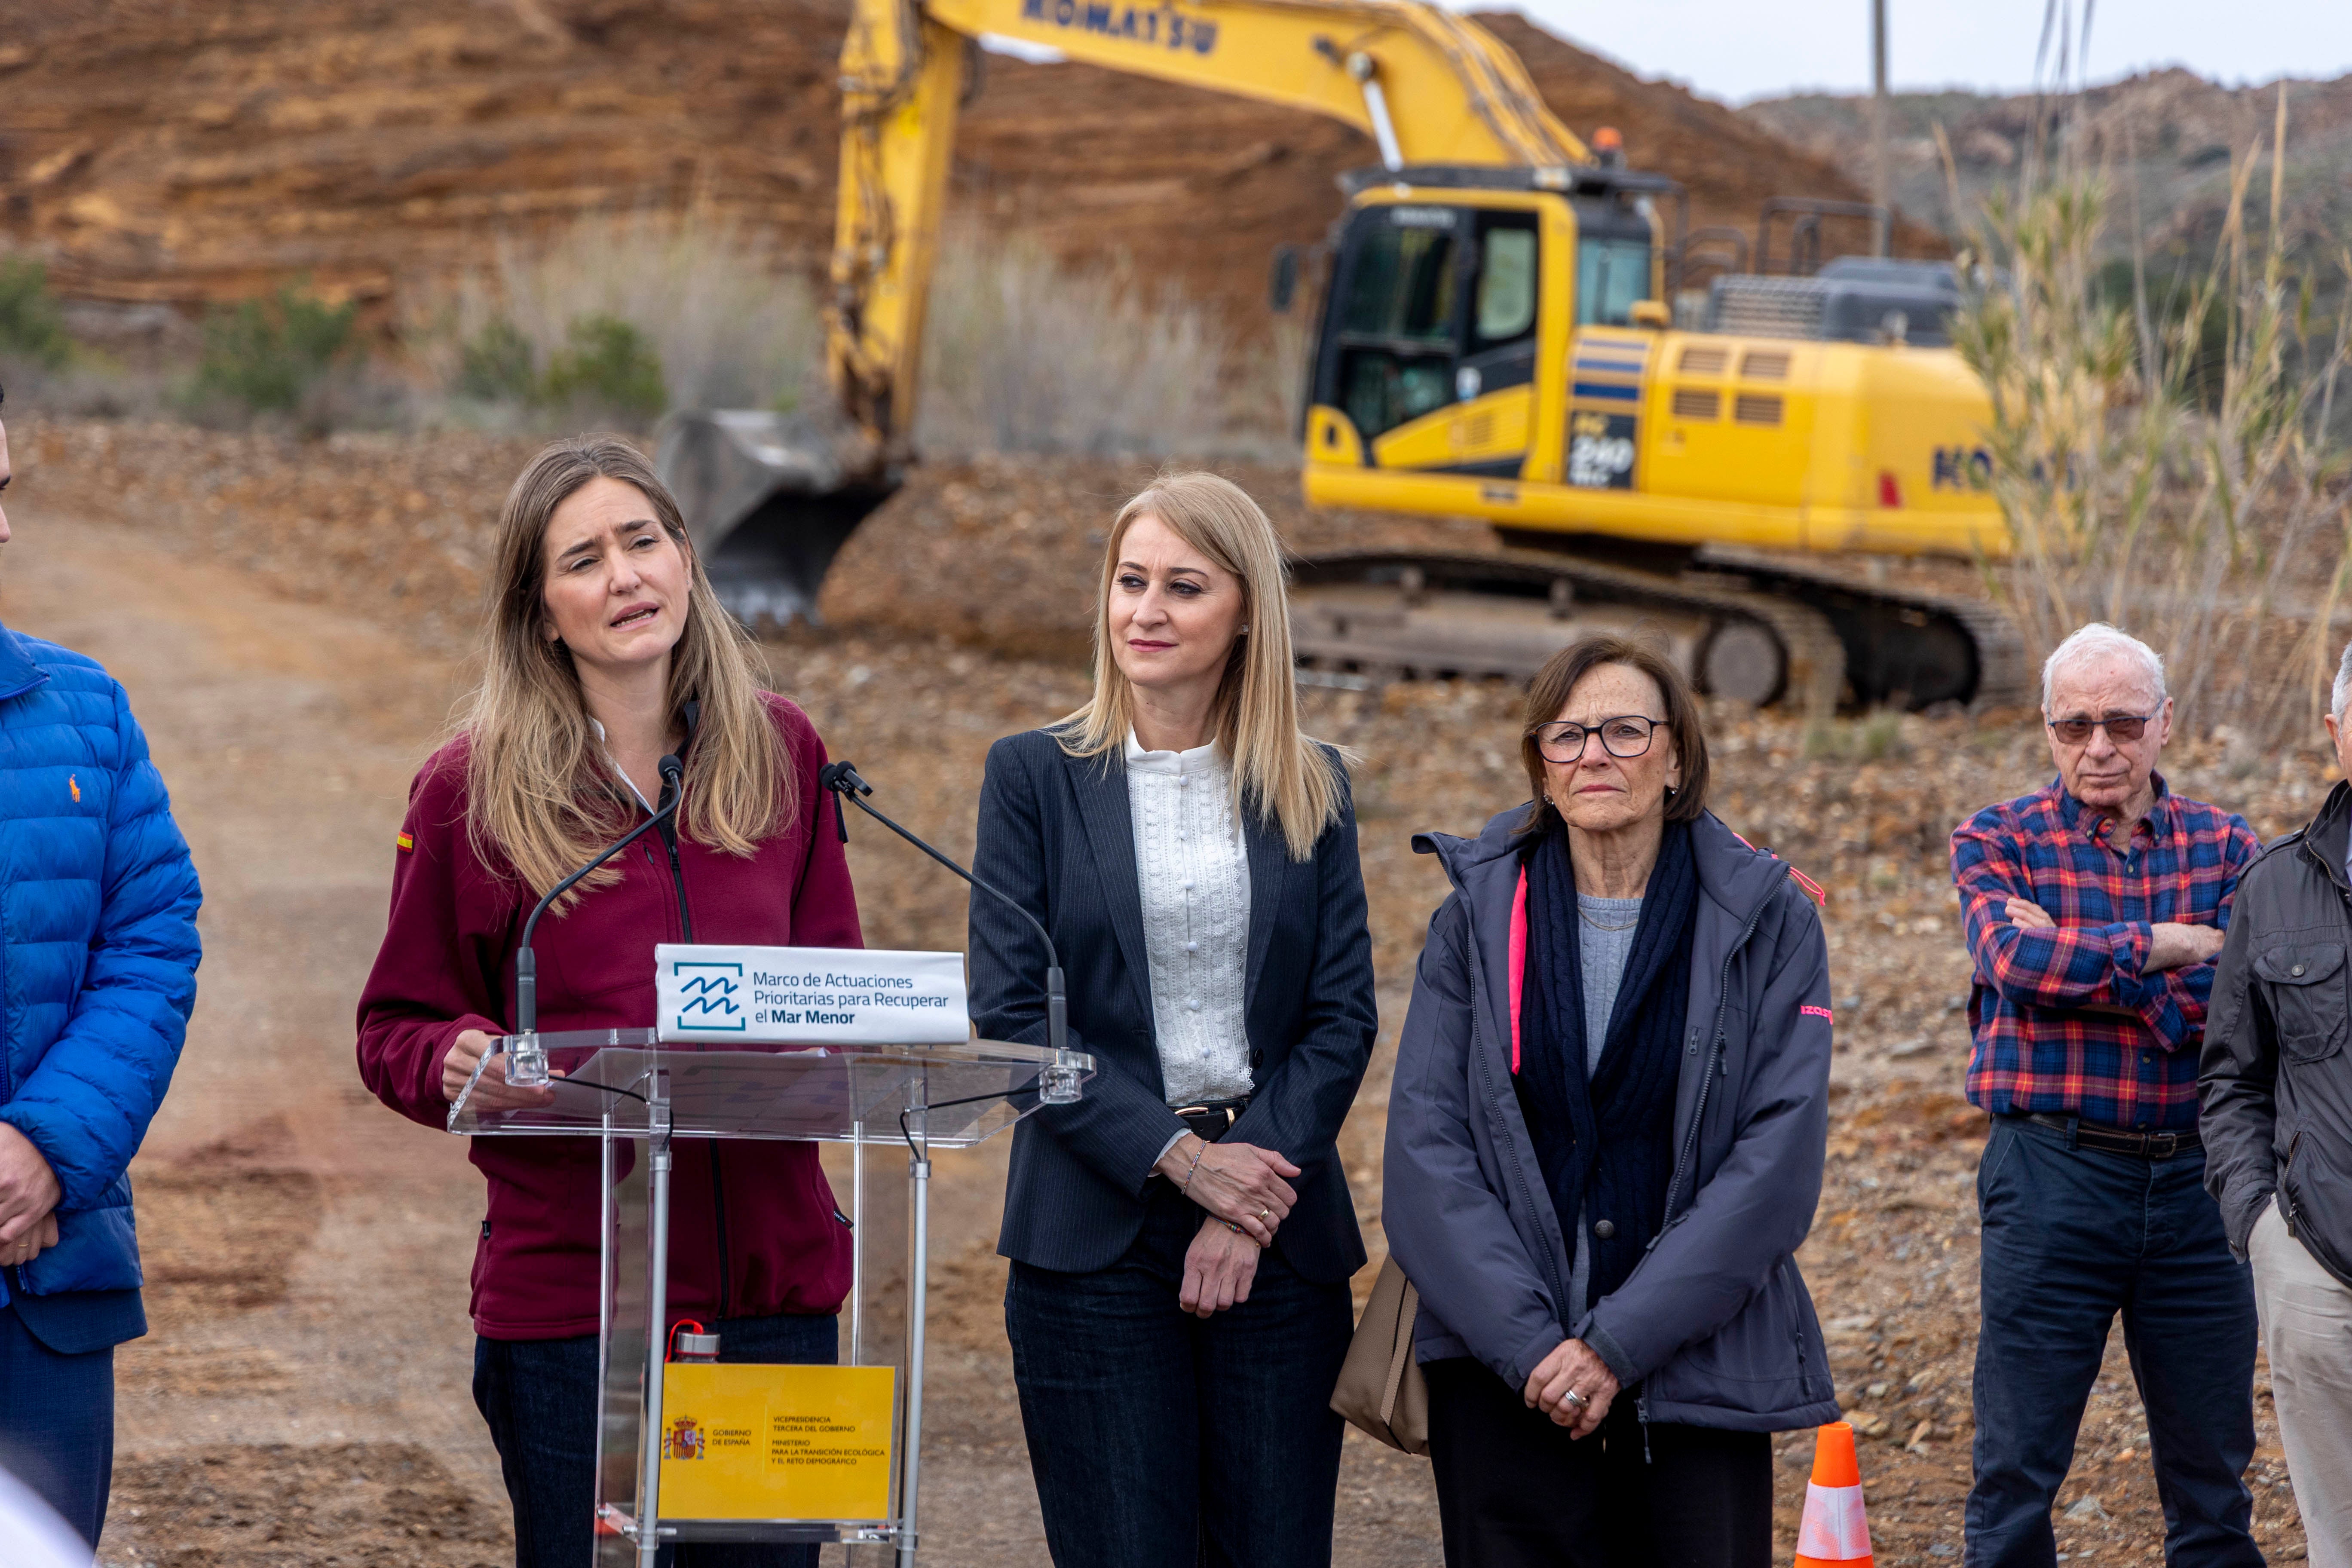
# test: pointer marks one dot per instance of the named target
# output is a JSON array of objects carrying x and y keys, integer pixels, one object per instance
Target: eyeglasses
[
  {"x": 1627, "y": 735},
  {"x": 2118, "y": 726}
]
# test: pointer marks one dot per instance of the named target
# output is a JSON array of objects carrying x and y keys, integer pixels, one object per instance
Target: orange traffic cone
[{"x": 1835, "y": 1532}]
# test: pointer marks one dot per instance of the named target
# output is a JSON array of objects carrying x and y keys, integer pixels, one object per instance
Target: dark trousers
[
  {"x": 1159, "y": 1440},
  {"x": 1514, "y": 1490},
  {"x": 57, "y": 1424},
  {"x": 540, "y": 1399},
  {"x": 2072, "y": 1237}
]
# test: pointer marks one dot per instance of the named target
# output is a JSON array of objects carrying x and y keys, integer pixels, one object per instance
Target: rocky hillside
[
  {"x": 2169, "y": 135},
  {"x": 154, "y": 151}
]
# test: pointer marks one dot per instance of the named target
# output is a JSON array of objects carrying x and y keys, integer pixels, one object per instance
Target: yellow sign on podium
[{"x": 742, "y": 1441}]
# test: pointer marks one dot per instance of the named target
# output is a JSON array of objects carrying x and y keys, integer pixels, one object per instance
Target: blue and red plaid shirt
[{"x": 2064, "y": 1021}]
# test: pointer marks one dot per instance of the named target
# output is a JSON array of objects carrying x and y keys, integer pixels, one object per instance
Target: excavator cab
[{"x": 1443, "y": 303}]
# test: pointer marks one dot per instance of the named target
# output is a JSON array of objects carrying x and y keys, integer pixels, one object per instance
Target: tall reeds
[{"x": 2164, "y": 459}]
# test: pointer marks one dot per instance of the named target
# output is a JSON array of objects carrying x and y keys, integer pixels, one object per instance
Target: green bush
[
  {"x": 606, "y": 364},
  {"x": 499, "y": 364},
  {"x": 268, "y": 354},
  {"x": 30, "y": 327}
]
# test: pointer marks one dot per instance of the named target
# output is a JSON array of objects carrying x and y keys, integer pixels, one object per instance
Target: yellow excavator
[{"x": 1496, "y": 341}]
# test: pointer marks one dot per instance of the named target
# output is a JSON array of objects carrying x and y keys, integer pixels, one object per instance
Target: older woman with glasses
[{"x": 1605, "y": 1141}]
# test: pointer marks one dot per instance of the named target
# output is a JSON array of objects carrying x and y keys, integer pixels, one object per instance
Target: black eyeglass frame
[
  {"x": 2104, "y": 721},
  {"x": 1585, "y": 731}
]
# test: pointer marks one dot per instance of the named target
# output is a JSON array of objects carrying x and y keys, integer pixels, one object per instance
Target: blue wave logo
[{"x": 707, "y": 994}]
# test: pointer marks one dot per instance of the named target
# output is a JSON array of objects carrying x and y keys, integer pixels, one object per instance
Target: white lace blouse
[{"x": 1192, "y": 871}]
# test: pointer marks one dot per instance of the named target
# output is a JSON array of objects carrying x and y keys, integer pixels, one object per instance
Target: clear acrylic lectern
[{"x": 634, "y": 1093}]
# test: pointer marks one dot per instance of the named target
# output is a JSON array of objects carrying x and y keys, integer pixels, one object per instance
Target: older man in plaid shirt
[{"x": 2095, "y": 908}]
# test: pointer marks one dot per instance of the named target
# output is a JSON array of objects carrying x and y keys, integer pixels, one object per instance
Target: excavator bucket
[{"x": 769, "y": 502}]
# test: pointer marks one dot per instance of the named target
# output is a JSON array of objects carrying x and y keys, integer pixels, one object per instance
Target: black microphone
[
  {"x": 842, "y": 779},
  {"x": 673, "y": 777}
]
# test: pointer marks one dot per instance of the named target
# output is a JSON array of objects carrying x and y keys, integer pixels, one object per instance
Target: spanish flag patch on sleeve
[{"x": 406, "y": 843}]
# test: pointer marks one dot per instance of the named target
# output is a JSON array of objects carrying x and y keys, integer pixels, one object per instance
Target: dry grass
[
  {"x": 731, "y": 318},
  {"x": 1024, "y": 352},
  {"x": 1030, "y": 355}
]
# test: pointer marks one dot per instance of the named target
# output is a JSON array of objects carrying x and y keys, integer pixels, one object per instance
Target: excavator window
[
  {"x": 1611, "y": 276},
  {"x": 1436, "y": 304},
  {"x": 1398, "y": 326},
  {"x": 1507, "y": 283}
]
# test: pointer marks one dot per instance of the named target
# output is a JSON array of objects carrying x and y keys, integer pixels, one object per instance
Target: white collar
[{"x": 1197, "y": 761}]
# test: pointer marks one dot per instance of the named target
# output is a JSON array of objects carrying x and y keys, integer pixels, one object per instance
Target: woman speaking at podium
[
  {"x": 606, "y": 651},
  {"x": 1182, "y": 1237}
]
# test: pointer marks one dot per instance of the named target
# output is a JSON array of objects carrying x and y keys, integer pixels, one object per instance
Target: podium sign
[
  {"x": 777, "y": 1442},
  {"x": 809, "y": 995},
  {"x": 697, "y": 1451}
]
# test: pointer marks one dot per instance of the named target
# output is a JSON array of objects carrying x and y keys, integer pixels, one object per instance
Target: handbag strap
[{"x": 1400, "y": 1353}]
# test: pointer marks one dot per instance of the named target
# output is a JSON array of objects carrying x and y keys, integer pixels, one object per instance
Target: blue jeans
[
  {"x": 2072, "y": 1237},
  {"x": 1159, "y": 1440},
  {"x": 540, "y": 1399},
  {"x": 57, "y": 1424}
]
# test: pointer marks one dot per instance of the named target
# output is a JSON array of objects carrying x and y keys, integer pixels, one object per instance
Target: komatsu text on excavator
[{"x": 1495, "y": 342}]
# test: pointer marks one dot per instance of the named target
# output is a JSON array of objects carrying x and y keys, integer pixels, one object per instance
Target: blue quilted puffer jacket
[{"x": 97, "y": 965}]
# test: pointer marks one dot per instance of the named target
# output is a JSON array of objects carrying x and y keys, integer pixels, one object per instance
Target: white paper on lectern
[{"x": 810, "y": 996}]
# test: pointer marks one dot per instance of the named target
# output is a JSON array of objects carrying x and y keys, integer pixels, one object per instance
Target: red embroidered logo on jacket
[{"x": 1820, "y": 1012}]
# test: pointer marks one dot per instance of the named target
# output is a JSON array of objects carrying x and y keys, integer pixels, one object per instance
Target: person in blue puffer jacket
[{"x": 98, "y": 976}]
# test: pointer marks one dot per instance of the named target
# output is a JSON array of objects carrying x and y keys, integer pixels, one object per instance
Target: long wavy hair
[
  {"x": 538, "y": 790},
  {"x": 1288, "y": 778}
]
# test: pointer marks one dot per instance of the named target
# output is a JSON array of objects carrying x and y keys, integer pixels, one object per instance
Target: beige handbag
[{"x": 1381, "y": 1392}]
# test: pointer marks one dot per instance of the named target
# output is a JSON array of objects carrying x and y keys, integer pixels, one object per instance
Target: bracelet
[{"x": 1183, "y": 1186}]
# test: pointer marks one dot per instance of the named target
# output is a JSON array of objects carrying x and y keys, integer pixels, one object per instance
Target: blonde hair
[
  {"x": 537, "y": 791},
  {"x": 1290, "y": 780}
]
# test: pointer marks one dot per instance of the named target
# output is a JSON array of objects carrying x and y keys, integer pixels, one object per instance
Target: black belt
[
  {"x": 2114, "y": 1140},
  {"x": 1210, "y": 1119}
]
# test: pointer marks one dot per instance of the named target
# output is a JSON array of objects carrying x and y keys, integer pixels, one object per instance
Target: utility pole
[{"x": 1883, "y": 193}]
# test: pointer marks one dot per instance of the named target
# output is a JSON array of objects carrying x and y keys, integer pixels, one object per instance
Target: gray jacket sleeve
[
  {"x": 1445, "y": 1223},
  {"x": 1757, "y": 1208},
  {"x": 2237, "y": 1082}
]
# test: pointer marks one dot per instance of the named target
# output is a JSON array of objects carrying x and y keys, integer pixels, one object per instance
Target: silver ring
[
  {"x": 1265, "y": 1211},
  {"x": 1575, "y": 1399}
]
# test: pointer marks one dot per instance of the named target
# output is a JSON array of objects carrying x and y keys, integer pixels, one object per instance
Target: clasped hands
[
  {"x": 1244, "y": 1189},
  {"x": 1572, "y": 1367},
  {"x": 2171, "y": 944},
  {"x": 28, "y": 1200}
]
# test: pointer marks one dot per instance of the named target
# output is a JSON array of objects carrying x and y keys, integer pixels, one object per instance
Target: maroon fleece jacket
[{"x": 753, "y": 1224}]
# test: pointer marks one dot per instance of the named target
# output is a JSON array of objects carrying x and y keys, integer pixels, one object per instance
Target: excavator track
[
  {"x": 1741, "y": 625},
  {"x": 1415, "y": 613},
  {"x": 1911, "y": 649}
]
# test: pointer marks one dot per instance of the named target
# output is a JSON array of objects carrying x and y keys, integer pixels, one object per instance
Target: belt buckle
[{"x": 2172, "y": 1145}]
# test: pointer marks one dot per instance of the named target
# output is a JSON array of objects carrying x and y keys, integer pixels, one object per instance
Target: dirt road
[{"x": 303, "y": 1398}]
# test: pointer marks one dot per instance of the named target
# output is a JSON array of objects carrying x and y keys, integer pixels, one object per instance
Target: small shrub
[
  {"x": 30, "y": 327},
  {"x": 267, "y": 355},
  {"x": 1874, "y": 737},
  {"x": 608, "y": 364},
  {"x": 499, "y": 364}
]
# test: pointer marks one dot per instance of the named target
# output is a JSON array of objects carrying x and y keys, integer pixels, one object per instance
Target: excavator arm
[{"x": 1428, "y": 87}]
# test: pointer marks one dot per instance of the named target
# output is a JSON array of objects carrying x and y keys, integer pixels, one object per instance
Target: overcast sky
[{"x": 1740, "y": 49}]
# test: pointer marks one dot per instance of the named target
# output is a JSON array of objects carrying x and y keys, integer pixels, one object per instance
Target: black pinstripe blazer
[{"x": 1056, "y": 833}]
